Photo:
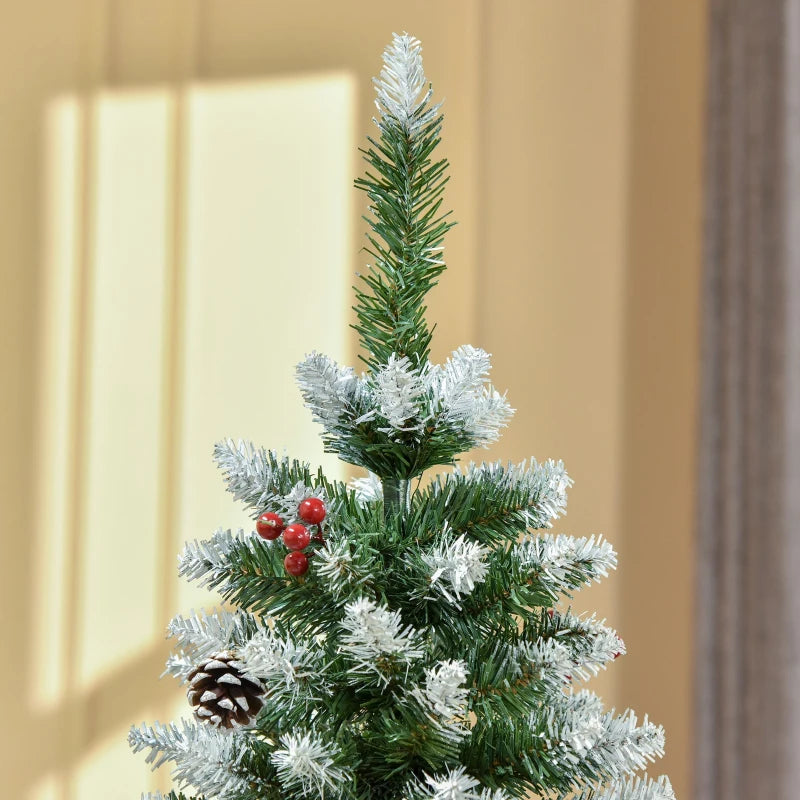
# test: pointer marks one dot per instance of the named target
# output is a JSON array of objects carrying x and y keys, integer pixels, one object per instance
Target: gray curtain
[{"x": 748, "y": 582}]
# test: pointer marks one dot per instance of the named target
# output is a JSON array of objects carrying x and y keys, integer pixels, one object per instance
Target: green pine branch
[
  {"x": 493, "y": 504},
  {"x": 405, "y": 187}
]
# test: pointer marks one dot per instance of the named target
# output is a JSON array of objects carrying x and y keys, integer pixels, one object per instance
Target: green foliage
[
  {"x": 493, "y": 504},
  {"x": 424, "y": 640},
  {"x": 388, "y": 737},
  {"x": 405, "y": 186},
  {"x": 366, "y": 443}
]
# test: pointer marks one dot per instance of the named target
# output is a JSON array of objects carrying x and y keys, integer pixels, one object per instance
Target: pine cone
[{"x": 221, "y": 695}]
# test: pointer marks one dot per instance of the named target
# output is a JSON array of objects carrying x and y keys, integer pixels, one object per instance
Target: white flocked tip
[
  {"x": 304, "y": 761},
  {"x": 372, "y": 631},
  {"x": 204, "y": 756},
  {"x": 455, "y": 784},
  {"x": 457, "y": 566},
  {"x": 401, "y": 85}
]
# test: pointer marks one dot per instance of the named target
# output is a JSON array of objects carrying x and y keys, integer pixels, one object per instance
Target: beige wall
[
  {"x": 574, "y": 132},
  {"x": 589, "y": 274},
  {"x": 662, "y": 322}
]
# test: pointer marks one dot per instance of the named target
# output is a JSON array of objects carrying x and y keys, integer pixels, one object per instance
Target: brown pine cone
[{"x": 221, "y": 695}]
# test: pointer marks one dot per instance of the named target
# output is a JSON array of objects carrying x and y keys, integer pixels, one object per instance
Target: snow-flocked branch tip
[
  {"x": 590, "y": 645},
  {"x": 337, "y": 567},
  {"x": 372, "y": 632},
  {"x": 206, "y": 633},
  {"x": 248, "y": 470},
  {"x": 204, "y": 757},
  {"x": 639, "y": 788},
  {"x": 546, "y": 485},
  {"x": 329, "y": 391},
  {"x": 368, "y": 489},
  {"x": 281, "y": 663},
  {"x": 443, "y": 699},
  {"x": 457, "y": 566},
  {"x": 582, "y": 729},
  {"x": 307, "y": 763},
  {"x": 208, "y": 561},
  {"x": 398, "y": 388},
  {"x": 401, "y": 86},
  {"x": 566, "y": 562},
  {"x": 454, "y": 784},
  {"x": 445, "y": 689},
  {"x": 461, "y": 390}
]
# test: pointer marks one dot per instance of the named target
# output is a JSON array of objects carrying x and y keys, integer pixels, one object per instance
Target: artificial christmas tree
[{"x": 392, "y": 643}]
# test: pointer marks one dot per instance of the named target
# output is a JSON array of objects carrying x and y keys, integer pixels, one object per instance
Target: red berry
[
  {"x": 296, "y": 537},
  {"x": 296, "y": 563},
  {"x": 312, "y": 510},
  {"x": 269, "y": 525}
]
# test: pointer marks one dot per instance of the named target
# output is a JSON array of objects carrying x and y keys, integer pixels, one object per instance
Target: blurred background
[{"x": 178, "y": 228}]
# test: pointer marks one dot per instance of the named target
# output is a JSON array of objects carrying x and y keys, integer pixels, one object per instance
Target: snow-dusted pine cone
[{"x": 223, "y": 696}]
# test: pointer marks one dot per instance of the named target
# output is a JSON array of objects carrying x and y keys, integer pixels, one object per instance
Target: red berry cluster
[{"x": 296, "y": 536}]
